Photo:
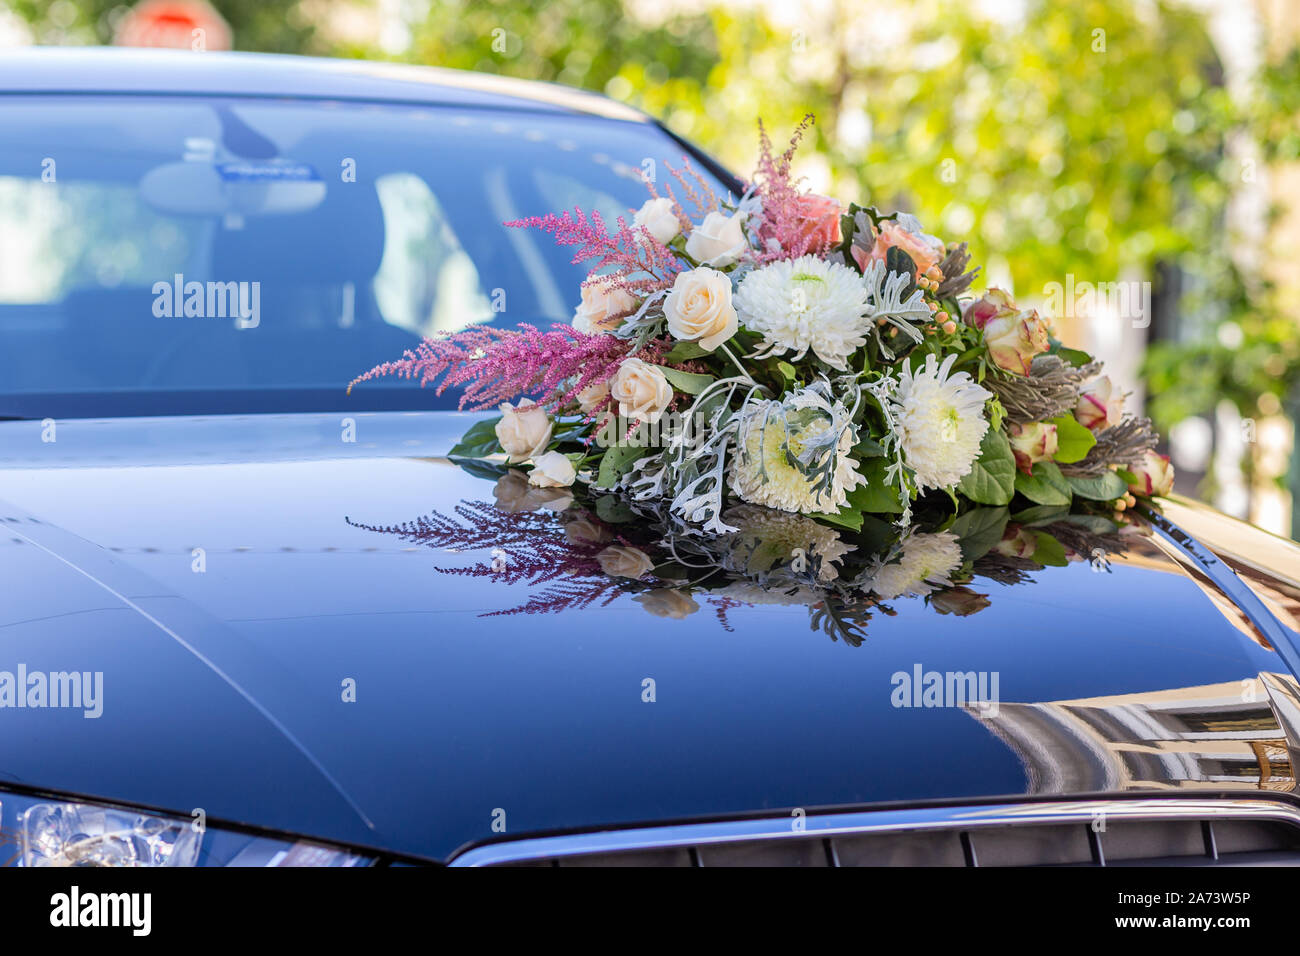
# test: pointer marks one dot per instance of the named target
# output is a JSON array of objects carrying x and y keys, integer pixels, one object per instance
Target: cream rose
[
  {"x": 1155, "y": 476},
  {"x": 622, "y": 561},
  {"x": 593, "y": 396},
  {"x": 718, "y": 241},
  {"x": 699, "y": 308},
  {"x": 552, "y": 470},
  {"x": 1098, "y": 406},
  {"x": 659, "y": 219},
  {"x": 603, "y": 307},
  {"x": 524, "y": 430},
  {"x": 1032, "y": 443},
  {"x": 1013, "y": 335},
  {"x": 641, "y": 390}
]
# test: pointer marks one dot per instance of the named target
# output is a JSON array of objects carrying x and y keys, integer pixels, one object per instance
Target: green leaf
[
  {"x": 1093, "y": 523},
  {"x": 687, "y": 382},
  {"x": 877, "y": 496},
  {"x": 1105, "y": 487},
  {"x": 867, "y": 448},
  {"x": 490, "y": 470},
  {"x": 1040, "y": 514},
  {"x": 1073, "y": 441},
  {"x": 479, "y": 441},
  {"x": 613, "y": 509},
  {"x": 978, "y": 530},
  {"x": 844, "y": 518},
  {"x": 788, "y": 372},
  {"x": 617, "y": 461},
  {"x": 896, "y": 260},
  {"x": 685, "y": 351},
  {"x": 1046, "y": 486},
  {"x": 992, "y": 479},
  {"x": 1049, "y": 551}
]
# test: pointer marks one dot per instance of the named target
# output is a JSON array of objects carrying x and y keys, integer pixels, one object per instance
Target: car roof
[{"x": 144, "y": 71}]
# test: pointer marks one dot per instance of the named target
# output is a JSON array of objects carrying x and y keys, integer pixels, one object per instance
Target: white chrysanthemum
[
  {"x": 926, "y": 562},
  {"x": 808, "y": 303},
  {"x": 767, "y": 539},
  {"x": 803, "y": 427},
  {"x": 940, "y": 422}
]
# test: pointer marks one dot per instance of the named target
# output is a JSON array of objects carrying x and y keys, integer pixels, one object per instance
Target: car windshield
[{"x": 165, "y": 255}]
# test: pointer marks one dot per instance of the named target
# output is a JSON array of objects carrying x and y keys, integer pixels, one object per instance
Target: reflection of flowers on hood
[
  {"x": 668, "y": 602},
  {"x": 514, "y": 494},
  {"x": 961, "y": 602},
  {"x": 747, "y": 592},
  {"x": 925, "y": 564},
  {"x": 768, "y": 539},
  {"x": 793, "y": 454}
]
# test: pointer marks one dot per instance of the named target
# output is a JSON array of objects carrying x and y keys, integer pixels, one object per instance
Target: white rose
[
  {"x": 718, "y": 241},
  {"x": 659, "y": 219},
  {"x": 603, "y": 307},
  {"x": 621, "y": 561},
  {"x": 552, "y": 470},
  {"x": 593, "y": 396},
  {"x": 524, "y": 431},
  {"x": 641, "y": 390},
  {"x": 699, "y": 308}
]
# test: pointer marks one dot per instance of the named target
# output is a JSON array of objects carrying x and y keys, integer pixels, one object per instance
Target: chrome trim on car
[
  {"x": 872, "y": 821},
  {"x": 1232, "y": 587}
]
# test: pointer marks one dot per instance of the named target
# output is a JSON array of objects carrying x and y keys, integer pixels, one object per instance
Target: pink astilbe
[
  {"x": 696, "y": 189},
  {"x": 786, "y": 208},
  {"x": 637, "y": 262},
  {"x": 500, "y": 365}
]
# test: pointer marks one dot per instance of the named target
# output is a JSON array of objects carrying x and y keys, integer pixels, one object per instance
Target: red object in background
[{"x": 172, "y": 24}]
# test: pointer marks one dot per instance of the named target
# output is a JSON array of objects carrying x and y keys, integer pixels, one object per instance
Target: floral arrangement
[
  {"x": 781, "y": 350},
  {"x": 572, "y": 548}
]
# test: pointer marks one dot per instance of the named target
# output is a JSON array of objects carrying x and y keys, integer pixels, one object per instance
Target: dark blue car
[{"x": 247, "y": 618}]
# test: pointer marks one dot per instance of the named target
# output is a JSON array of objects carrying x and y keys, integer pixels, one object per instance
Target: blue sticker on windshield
[{"x": 251, "y": 172}]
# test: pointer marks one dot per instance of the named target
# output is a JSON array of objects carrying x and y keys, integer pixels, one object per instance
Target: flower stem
[{"x": 736, "y": 362}]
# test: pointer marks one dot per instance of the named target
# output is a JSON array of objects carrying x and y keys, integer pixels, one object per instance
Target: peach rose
[
  {"x": 821, "y": 220},
  {"x": 891, "y": 234}
]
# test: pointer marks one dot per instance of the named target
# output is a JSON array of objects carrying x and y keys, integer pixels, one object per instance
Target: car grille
[{"x": 1157, "y": 832}]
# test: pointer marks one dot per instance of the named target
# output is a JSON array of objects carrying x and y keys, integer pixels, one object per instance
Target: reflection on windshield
[{"x": 140, "y": 235}]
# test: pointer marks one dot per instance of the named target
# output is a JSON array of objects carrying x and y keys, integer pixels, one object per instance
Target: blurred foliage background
[{"x": 1104, "y": 140}]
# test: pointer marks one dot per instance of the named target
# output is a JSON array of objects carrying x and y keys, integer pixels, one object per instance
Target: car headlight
[{"x": 42, "y": 832}]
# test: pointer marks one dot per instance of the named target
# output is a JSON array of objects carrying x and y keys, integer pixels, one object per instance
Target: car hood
[{"x": 270, "y": 660}]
